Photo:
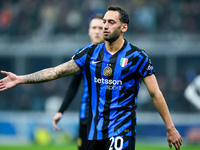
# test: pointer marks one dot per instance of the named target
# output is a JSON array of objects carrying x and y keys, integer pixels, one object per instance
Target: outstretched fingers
[
  {"x": 4, "y": 72},
  {"x": 2, "y": 86}
]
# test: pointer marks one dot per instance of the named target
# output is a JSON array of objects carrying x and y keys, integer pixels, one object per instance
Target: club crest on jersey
[
  {"x": 123, "y": 62},
  {"x": 107, "y": 71}
]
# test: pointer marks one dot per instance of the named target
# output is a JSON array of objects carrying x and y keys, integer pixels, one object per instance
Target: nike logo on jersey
[{"x": 95, "y": 62}]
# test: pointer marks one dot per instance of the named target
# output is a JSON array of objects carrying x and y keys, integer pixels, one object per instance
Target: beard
[{"x": 114, "y": 36}]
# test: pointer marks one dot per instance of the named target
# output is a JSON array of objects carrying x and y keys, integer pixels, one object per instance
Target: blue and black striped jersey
[
  {"x": 85, "y": 98},
  {"x": 113, "y": 85}
]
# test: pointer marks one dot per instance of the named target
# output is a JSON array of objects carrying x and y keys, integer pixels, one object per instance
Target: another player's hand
[
  {"x": 173, "y": 137},
  {"x": 11, "y": 80},
  {"x": 56, "y": 118}
]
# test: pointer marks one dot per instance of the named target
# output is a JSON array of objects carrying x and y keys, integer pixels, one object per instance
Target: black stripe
[
  {"x": 125, "y": 109},
  {"x": 130, "y": 51},
  {"x": 106, "y": 111},
  {"x": 81, "y": 53},
  {"x": 88, "y": 77},
  {"x": 98, "y": 86},
  {"x": 130, "y": 128},
  {"x": 126, "y": 120},
  {"x": 132, "y": 59},
  {"x": 134, "y": 75},
  {"x": 128, "y": 92},
  {"x": 144, "y": 68},
  {"x": 136, "y": 48},
  {"x": 143, "y": 60}
]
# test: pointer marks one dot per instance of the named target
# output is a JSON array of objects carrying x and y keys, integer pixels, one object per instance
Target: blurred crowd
[
  {"x": 51, "y": 17},
  {"x": 44, "y": 18}
]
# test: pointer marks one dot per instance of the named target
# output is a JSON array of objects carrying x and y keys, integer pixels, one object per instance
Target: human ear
[{"x": 124, "y": 27}]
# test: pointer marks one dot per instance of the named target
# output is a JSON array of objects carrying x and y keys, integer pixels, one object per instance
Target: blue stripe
[
  {"x": 129, "y": 134},
  {"x": 125, "y": 144},
  {"x": 84, "y": 101},
  {"x": 123, "y": 127},
  {"x": 83, "y": 110},
  {"x": 93, "y": 105}
]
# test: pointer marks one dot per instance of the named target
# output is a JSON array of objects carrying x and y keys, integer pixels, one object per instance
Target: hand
[
  {"x": 56, "y": 118},
  {"x": 10, "y": 81},
  {"x": 173, "y": 137}
]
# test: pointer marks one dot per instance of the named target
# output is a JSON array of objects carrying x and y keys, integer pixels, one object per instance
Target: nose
[
  {"x": 98, "y": 31},
  {"x": 105, "y": 25}
]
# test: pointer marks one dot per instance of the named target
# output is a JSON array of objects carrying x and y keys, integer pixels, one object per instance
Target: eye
[{"x": 112, "y": 22}]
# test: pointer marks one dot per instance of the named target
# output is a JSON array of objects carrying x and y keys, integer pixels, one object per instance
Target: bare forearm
[
  {"x": 40, "y": 76},
  {"x": 158, "y": 100},
  {"x": 49, "y": 74},
  {"x": 163, "y": 110},
  {"x": 173, "y": 137}
]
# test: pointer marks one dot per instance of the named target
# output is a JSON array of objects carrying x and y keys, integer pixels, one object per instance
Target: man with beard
[{"x": 114, "y": 71}]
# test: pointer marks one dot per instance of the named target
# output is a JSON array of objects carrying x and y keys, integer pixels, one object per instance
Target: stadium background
[{"x": 36, "y": 34}]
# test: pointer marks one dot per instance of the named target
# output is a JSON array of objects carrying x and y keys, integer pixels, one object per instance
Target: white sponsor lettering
[
  {"x": 107, "y": 81},
  {"x": 111, "y": 84}
]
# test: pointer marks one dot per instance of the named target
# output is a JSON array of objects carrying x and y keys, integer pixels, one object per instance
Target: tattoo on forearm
[
  {"x": 49, "y": 74},
  {"x": 37, "y": 77},
  {"x": 66, "y": 69}
]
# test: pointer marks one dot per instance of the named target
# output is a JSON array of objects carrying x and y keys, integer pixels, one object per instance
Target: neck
[{"x": 115, "y": 46}]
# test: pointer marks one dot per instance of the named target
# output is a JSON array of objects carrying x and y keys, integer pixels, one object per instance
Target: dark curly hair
[{"x": 124, "y": 17}]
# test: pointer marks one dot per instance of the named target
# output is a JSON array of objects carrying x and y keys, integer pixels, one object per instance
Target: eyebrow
[{"x": 109, "y": 20}]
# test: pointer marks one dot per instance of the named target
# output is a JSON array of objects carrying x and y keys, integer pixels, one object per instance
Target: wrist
[
  {"x": 21, "y": 80},
  {"x": 170, "y": 128},
  {"x": 60, "y": 113}
]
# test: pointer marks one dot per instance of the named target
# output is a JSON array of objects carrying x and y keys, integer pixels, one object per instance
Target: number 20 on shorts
[{"x": 115, "y": 141}]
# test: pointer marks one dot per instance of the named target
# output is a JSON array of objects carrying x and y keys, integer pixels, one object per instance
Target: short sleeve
[
  {"x": 80, "y": 58},
  {"x": 146, "y": 68}
]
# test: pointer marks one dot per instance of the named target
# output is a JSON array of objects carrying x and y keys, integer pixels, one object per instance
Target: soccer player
[
  {"x": 95, "y": 32},
  {"x": 114, "y": 71}
]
